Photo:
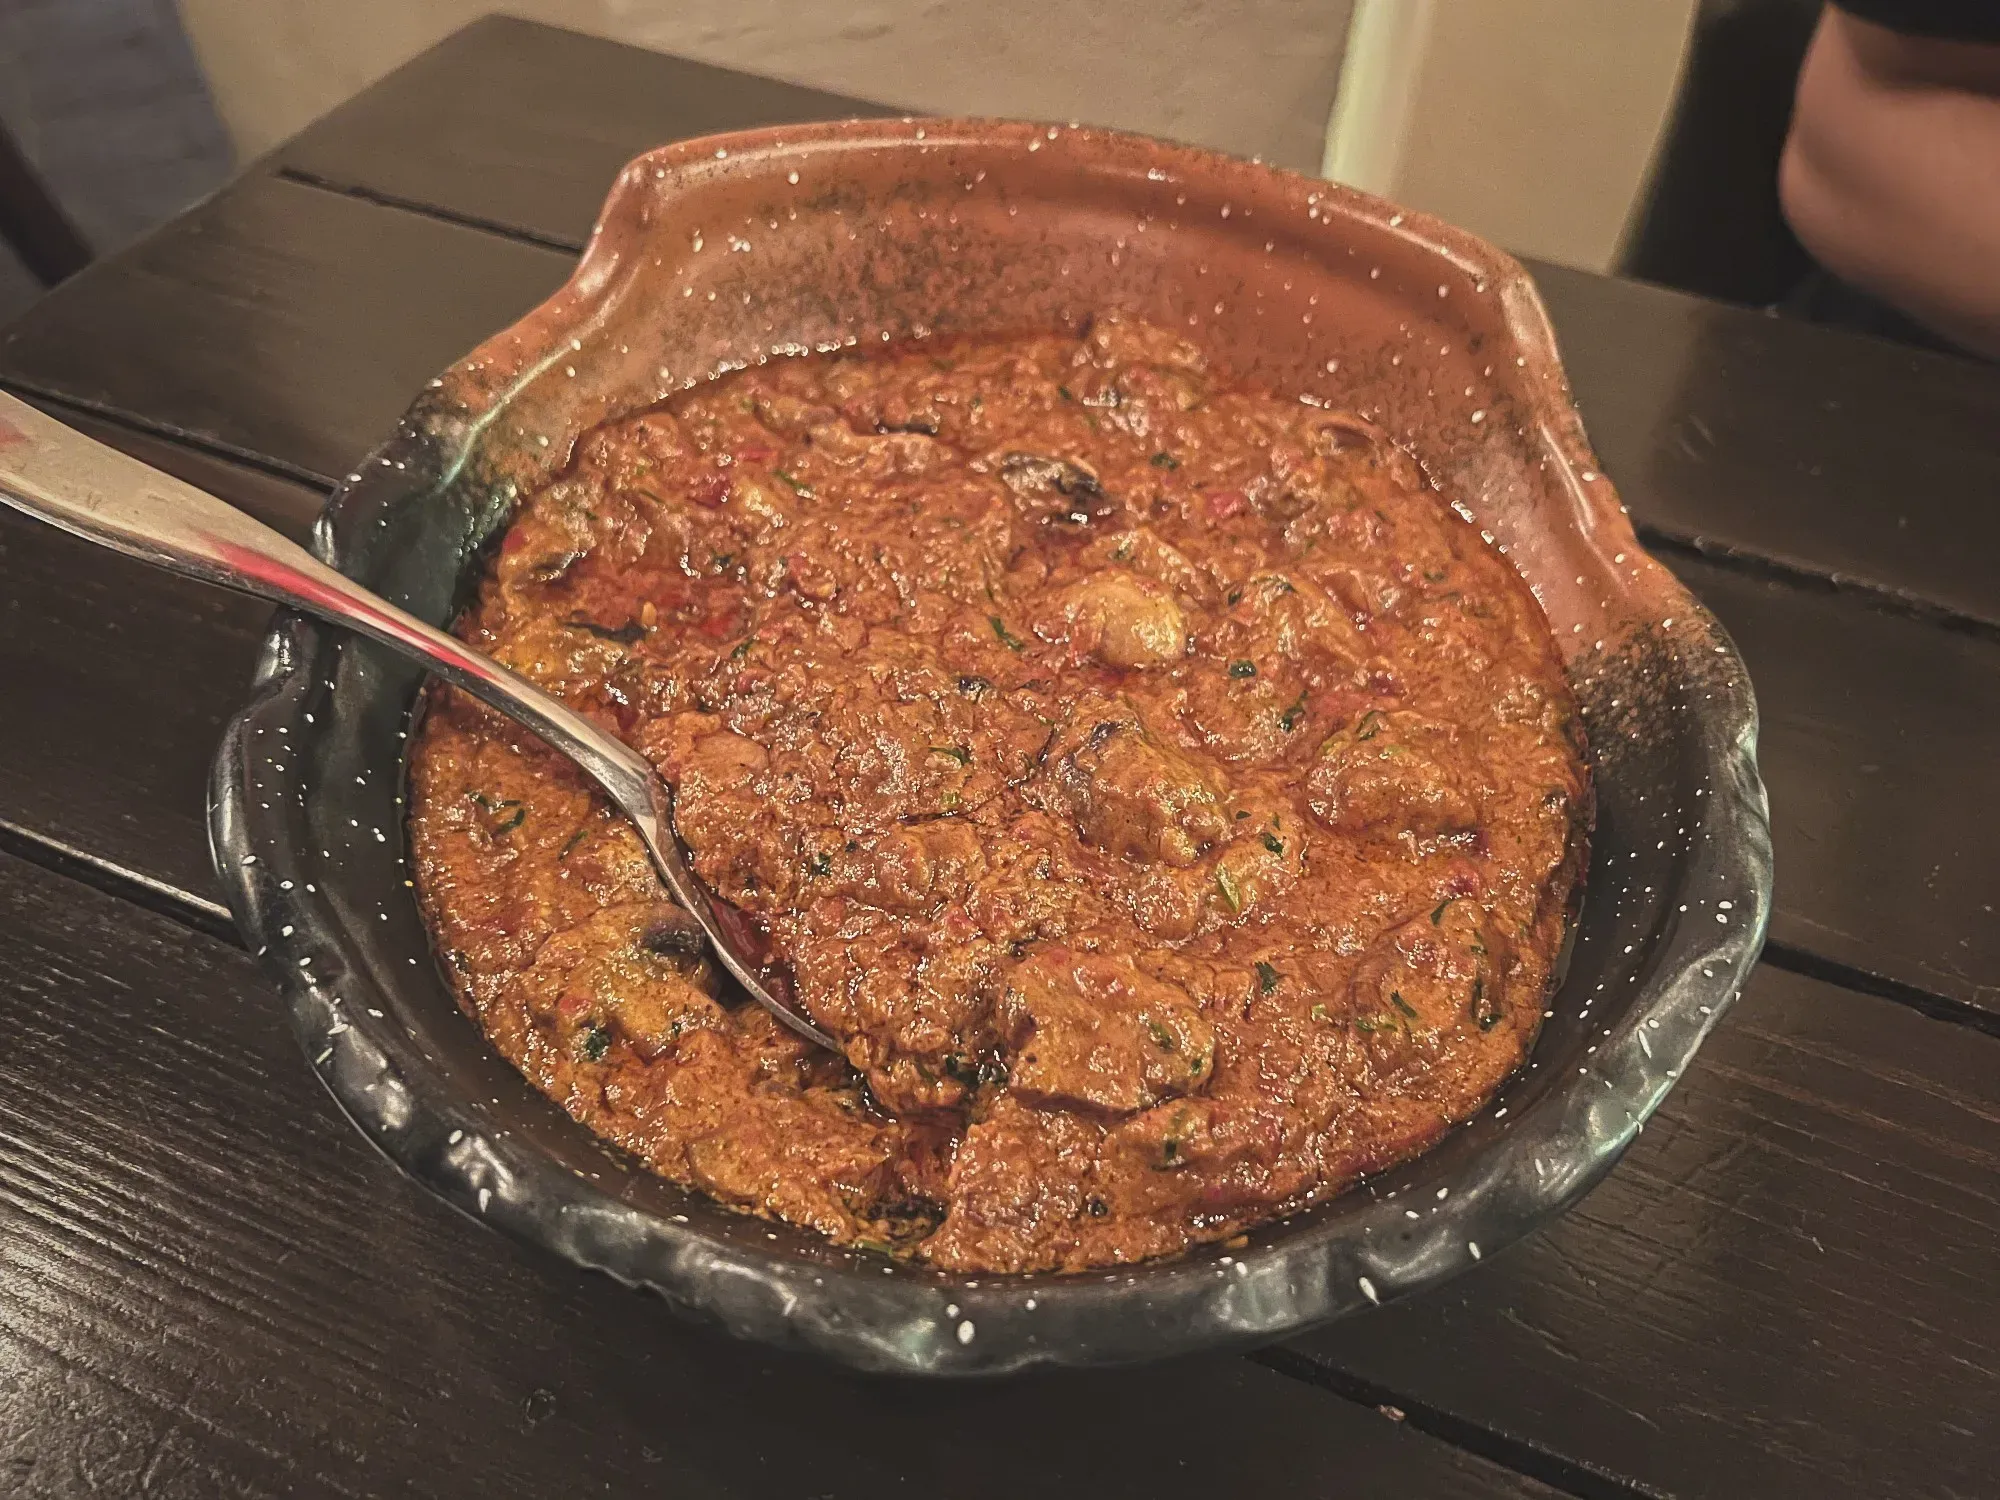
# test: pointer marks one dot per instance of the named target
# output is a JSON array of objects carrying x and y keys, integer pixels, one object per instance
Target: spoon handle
[{"x": 78, "y": 484}]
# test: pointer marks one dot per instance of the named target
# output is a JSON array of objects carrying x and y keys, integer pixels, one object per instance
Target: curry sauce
[{"x": 1168, "y": 801}]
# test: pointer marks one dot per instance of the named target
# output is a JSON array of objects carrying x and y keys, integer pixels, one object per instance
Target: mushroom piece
[
  {"x": 1058, "y": 489},
  {"x": 1125, "y": 621}
]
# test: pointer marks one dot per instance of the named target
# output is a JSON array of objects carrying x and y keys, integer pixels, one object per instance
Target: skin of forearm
[{"x": 1891, "y": 175}]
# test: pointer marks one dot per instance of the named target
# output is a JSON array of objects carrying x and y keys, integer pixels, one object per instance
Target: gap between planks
[
  {"x": 1767, "y": 569},
  {"x": 118, "y": 416},
  {"x": 1795, "y": 960},
  {"x": 1567, "y": 1476}
]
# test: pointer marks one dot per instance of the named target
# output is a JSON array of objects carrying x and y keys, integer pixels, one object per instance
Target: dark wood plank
[
  {"x": 1787, "y": 1288},
  {"x": 1878, "y": 741},
  {"x": 1875, "y": 724},
  {"x": 448, "y": 130},
  {"x": 118, "y": 681},
  {"x": 1827, "y": 451},
  {"x": 1830, "y": 452},
  {"x": 220, "y": 1289},
  {"x": 277, "y": 321}
]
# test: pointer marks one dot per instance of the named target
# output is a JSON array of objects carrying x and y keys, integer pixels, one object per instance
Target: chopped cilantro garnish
[
  {"x": 1488, "y": 1016},
  {"x": 1267, "y": 977},
  {"x": 1243, "y": 669},
  {"x": 1275, "y": 844},
  {"x": 1396, "y": 999},
  {"x": 1225, "y": 882},
  {"x": 594, "y": 1041},
  {"x": 1007, "y": 637},
  {"x": 957, "y": 752},
  {"x": 1165, "y": 461},
  {"x": 1289, "y": 720},
  {"x": 799, "y": 487}
]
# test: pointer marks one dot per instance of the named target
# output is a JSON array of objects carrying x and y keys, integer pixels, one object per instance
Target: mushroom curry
[{"x": 1168, "y": 802}]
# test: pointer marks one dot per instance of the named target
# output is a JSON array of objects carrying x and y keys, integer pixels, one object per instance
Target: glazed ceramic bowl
[{"x": 714, "y": 254}]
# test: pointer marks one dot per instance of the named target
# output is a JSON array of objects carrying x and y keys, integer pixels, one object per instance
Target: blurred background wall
[
  {"x": 1252, "y": 76},
  {"x": 106, "y": 101},
  {"x": 1529, "y": 121}
]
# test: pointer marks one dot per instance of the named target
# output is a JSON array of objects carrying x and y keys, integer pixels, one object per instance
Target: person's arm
[{"x": 1891, "y": 175}]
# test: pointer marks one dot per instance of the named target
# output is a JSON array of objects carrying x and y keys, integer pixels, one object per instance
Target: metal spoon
[{"x": 76, "y": 483}]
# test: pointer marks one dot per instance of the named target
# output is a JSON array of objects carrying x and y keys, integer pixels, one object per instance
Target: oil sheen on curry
[{"x": 1168, "y": 802}]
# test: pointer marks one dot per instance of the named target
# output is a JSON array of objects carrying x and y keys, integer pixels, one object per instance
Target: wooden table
[{"x": 210, "y": 1286}]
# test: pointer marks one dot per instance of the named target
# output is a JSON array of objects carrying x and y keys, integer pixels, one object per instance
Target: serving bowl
[{"x": 717, "y": 253}]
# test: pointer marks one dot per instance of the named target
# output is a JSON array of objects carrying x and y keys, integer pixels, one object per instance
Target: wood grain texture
[
  {"x": 1833, "y": 453},
  {"x": 1786, "y": 1288},
  {"x": 210, "y": 1285},
  {"x": 1826, "y": 451},
  {"x": 448, "y": 131},
  {"x": 117, "y": 680},
  {"x": 277, "y": 322},
  {"x": 1877, "y": 744}
]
